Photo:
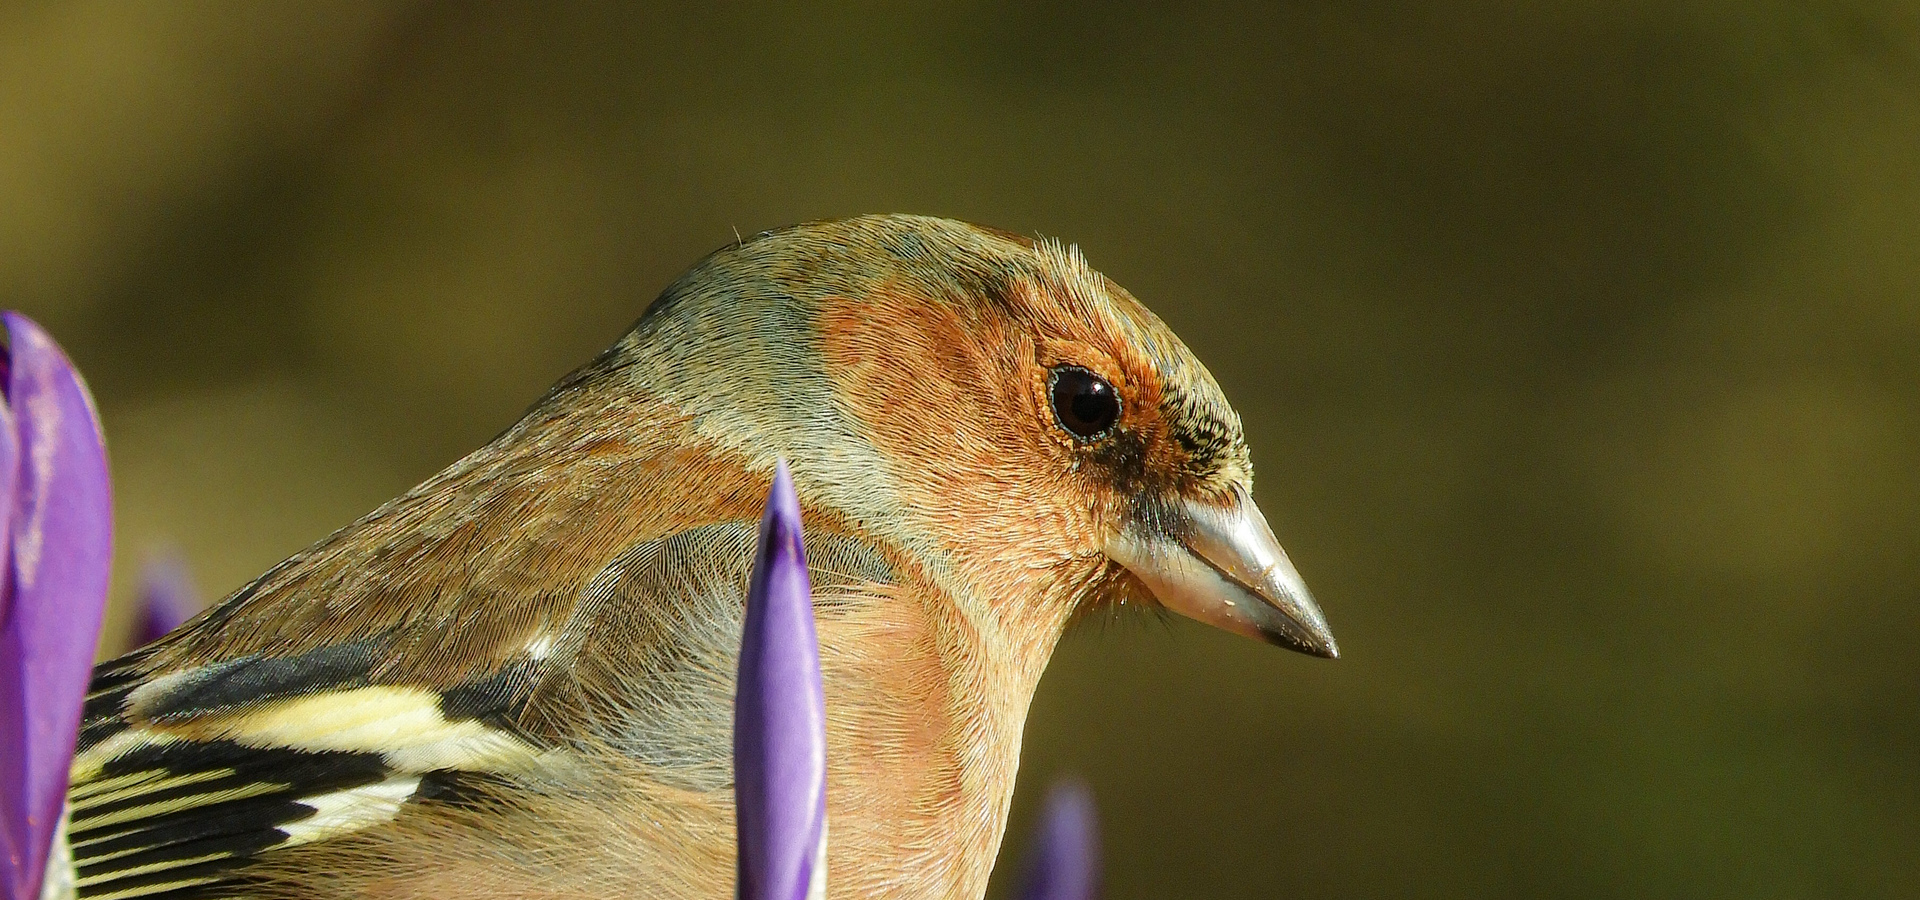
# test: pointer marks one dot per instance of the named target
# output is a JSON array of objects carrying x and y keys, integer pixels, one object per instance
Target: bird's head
[{"x": 1020, "y": 424}]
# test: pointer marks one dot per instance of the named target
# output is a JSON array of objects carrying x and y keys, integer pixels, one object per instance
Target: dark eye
[{"x": 1084, "y": 403}]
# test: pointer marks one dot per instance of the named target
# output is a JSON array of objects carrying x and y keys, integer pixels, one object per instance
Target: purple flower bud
[
  {"x": 1065, "y": 861},
  {"x": 57, "y": 530},
  {"x": 167, "y": 598},
  {"x": 779, "y": 718}
]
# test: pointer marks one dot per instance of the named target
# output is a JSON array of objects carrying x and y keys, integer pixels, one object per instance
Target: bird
[{"x": 515, "y": 679}]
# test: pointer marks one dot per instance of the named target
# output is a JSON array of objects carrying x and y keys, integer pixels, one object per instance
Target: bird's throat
[{"x": 923, "y": 727}]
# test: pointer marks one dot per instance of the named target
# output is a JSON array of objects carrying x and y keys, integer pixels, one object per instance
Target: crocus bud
[
  {"x": 1065, "y": 860},
  {"x": 56, "y": 524},
  {"x": 167, "y": 598},
  {"x": 779, "y": 718}
]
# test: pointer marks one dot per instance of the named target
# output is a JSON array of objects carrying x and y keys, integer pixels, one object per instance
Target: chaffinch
[{"x": 516, "y": 678}]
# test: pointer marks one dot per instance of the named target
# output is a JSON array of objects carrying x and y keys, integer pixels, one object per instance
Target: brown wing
[{"x": 187, "y": 774}]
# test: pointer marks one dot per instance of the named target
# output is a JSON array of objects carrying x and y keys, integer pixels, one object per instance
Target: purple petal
[
  {"x": 14, "y": 833},
  {"x": 59, "y": 544},
  {"x": 167, "y": 598},
  {"x": 1066, "y": 860},
  {"x": 779, "y": 717}
]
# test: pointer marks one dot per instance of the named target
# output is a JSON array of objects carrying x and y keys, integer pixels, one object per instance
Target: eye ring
[{"x": 1085, "y": 405}]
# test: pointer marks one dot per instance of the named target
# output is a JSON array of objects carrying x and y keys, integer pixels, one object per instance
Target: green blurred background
[{"x": 1576, "y": 342}]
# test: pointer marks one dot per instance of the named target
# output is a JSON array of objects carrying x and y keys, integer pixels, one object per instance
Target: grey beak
[{"x": 1220, "y": 563}]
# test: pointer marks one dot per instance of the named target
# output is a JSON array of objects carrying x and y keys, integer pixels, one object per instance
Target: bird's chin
[{"x": 1219, "y": 563}]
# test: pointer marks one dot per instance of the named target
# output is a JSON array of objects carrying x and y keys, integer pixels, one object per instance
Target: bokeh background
[{"x": 1576, "y": 341}]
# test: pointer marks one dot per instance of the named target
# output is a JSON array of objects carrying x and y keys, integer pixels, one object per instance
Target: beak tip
[
  {"x": 1318, "y": 643},
  {"x": 1297, "y": 624}
]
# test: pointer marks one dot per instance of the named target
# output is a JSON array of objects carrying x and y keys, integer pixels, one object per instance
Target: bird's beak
[{"x": 1220, "y": 563}]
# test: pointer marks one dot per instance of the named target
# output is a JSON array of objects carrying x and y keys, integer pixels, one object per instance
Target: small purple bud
[
  {"x": 779, "y": 718},
  {"x": 58, "y": 542},
  {"x": 1065, "y": 861},
  {"x": 167, "y": 598}
]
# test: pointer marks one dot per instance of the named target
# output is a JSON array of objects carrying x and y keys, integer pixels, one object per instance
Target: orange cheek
[{"x": 953, "y": 403}]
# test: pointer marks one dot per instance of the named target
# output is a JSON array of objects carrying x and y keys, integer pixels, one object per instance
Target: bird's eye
[{"x": 1084, "y": 403}]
